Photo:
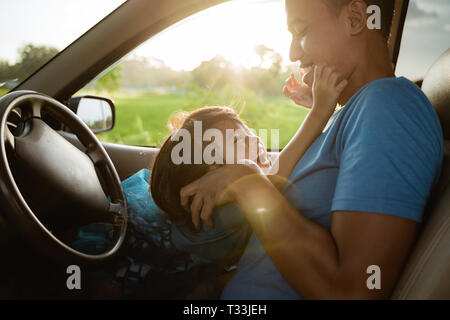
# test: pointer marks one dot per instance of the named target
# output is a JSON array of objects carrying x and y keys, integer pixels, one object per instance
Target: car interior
[{"x": 33, "y": 263}]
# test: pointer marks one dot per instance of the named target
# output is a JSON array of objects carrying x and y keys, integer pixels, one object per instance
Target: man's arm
[{"x": 322, "y": 264}]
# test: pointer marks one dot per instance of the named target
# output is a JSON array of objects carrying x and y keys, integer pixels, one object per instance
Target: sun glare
[{"x": 231, "y": 30}]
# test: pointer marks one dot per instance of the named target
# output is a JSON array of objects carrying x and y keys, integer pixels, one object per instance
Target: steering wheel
[{"x": 89, "y": 179}]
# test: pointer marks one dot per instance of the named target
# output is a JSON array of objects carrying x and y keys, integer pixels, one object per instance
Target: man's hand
[{"x": 211, "y": 190}]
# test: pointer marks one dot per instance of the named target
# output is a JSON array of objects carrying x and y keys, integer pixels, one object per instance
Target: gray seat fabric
[{"x": 427, "y": 272}]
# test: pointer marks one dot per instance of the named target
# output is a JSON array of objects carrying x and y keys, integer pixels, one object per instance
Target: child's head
[{"x": 168, "y": 177}]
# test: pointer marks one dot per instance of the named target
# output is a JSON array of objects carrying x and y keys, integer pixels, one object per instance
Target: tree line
[
  {"x": 31, "y": 58},
  {"x": 149, "y": 74}
]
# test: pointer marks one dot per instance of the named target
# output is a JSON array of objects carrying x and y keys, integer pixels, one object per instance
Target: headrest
[{"x": 436, "y": 86}]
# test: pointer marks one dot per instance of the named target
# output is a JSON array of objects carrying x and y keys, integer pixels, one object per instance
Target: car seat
[{"x": 427, "y": 272}]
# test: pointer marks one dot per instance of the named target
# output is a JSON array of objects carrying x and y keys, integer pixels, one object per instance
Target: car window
[
  {"x": 34, "y": 31},
  {"x": 225, "y": 55},
  {"x": 426, "y": 36}
]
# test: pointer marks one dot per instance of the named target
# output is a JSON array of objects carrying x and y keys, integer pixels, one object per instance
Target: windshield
[{"x": 34, "y": 31}]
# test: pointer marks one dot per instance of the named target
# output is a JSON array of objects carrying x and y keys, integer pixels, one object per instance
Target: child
[
  {"x": 164, "y": 246},
  {"x": 225, "y": 238},
  {"x": 169, "y": 178}
]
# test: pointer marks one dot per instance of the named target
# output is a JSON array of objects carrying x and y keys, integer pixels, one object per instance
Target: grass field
[{"x": 142, "y": 119}]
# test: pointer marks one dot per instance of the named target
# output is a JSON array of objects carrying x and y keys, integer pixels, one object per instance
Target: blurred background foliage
[{"x": 147, "y": 92}]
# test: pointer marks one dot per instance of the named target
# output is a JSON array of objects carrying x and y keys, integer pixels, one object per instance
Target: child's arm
[{"x": 326, "y": 90}]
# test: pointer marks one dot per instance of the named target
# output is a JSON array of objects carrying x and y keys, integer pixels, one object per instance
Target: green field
[{"x": 142, "y": 119}]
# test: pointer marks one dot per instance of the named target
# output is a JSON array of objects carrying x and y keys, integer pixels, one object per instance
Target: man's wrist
[
  {"x": 253, "y": 193},
  {"x": 249, "y": 167},
  {"x": 247, "y": 173}
]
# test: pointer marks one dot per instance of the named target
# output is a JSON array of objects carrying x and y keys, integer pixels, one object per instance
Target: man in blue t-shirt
[
  {"x": 380, "y": 154},
  {"x": 355, "y": 199}
]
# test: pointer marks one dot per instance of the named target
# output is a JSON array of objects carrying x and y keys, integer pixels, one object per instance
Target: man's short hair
[{"x": 386, "y": 6}]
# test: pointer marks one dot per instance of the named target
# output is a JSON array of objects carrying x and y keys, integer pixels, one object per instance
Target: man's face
[{"x": 318, "y": 36}]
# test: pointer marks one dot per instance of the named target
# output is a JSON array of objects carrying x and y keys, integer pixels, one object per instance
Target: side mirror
[{"x": 97, "y": 112}]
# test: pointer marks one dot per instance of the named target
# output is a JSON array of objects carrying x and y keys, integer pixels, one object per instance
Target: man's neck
[{"x": 374, "y": 63}]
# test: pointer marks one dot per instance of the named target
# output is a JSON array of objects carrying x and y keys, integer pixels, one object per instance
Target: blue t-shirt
[{"x": 381, "y": 153}]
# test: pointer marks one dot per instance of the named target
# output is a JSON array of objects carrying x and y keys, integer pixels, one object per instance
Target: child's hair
[{"x": 168, "y": 178}]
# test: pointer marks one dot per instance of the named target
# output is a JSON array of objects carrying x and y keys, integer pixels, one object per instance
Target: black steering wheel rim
[{"x": 19, "y": 212}]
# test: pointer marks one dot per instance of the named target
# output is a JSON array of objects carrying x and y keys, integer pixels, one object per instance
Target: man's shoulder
[
  {"x": 395, "y": 109},
  {"x": 393, "y": 91},
  {"x": 396, "y": 97}
]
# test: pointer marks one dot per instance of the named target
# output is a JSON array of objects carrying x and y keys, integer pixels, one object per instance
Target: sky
[
  {"x": 47, "y": 22},
  {"x": 425, "y": 37},
  {"x": 231, "y": 29}
]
